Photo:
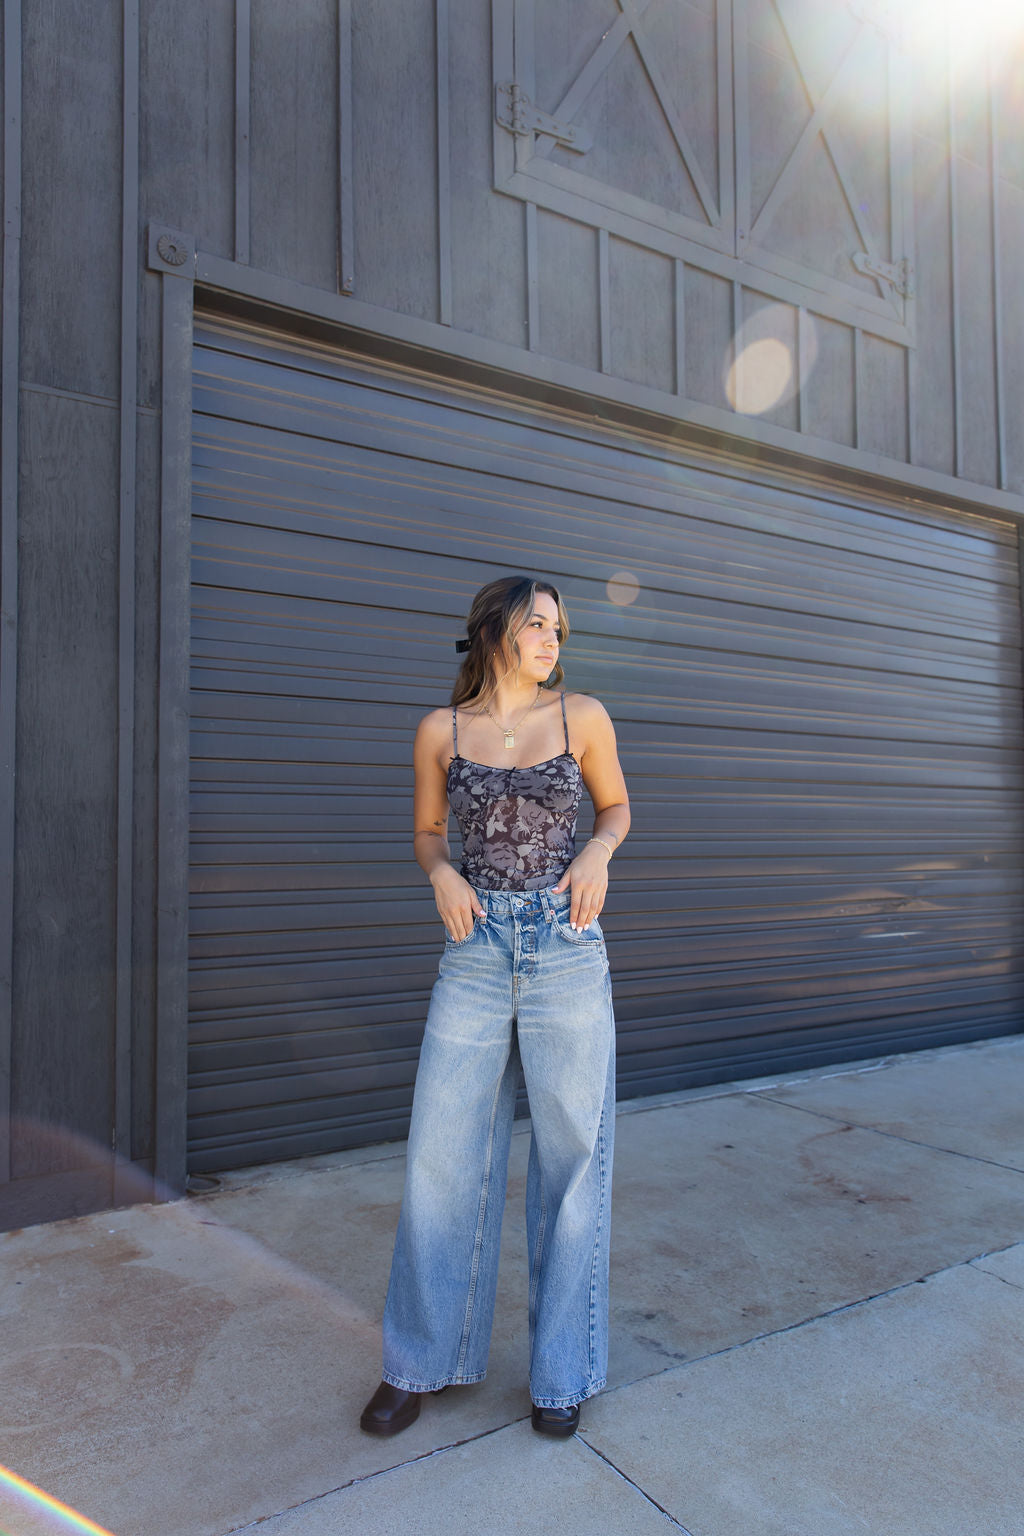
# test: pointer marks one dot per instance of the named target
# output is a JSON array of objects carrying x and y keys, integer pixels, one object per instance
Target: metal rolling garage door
[{"x": 818, "y": 700}]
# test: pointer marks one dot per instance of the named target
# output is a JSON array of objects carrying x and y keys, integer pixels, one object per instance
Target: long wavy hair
[{"x": 499, "y": 612}]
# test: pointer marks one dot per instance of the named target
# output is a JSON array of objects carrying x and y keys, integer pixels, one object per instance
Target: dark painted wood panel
[
  {"x": 71, "y": 204},
  {"x": 10, "y": 372},
  {"x": 488, "y": 235},
  {"x": 709, "y": 336},
  {"x": 147, "y": 671},
  {"x": 55, "y": 1197},
  {"x": 932, "y": 362},
  {"x": 1008, "y": 69},
  {"x": 829, "y": 391},
  {"x": 186, "y": 144},
  {"x": 395, "y": 157},
  {"x": 294, "y": 144},
  {"x": 62, "y": 1082},
  {"x": 977, "y": 324},
  {"x": 634, "y": 150},
  {"x": 1011, "y": 210},
  {"x": 817, "y": 704},
  {"x": 882, "y": 398},
  {"x": 969, "y": 76},
  {"x": 642, "y": 297},
  {"x": 765, "y": 377},
  {"x": 567, "y": 260},
  {"x": 187, "y": 122}
]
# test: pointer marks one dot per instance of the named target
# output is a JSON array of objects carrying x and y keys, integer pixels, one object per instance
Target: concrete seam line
[
  {"x": 636, "y": 1486},
  {"x": 818, "y": 1317},
  {"x": 910, "y": 1141},
  {"x": 370, "y": 1477}
]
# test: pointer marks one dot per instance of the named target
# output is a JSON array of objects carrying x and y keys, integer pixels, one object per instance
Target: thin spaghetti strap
[
  {"x": 455, "y": 733},
  {"x": 565, "y": 726}
]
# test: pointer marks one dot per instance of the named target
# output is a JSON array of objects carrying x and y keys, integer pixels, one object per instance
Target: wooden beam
[
  {"x": 243, "y": 170},
  {"x": 954, "y": 262},
  {"x": 346, "y": 153},
  {"x": 173, "y": 735},
  {"x": 444, "y": 193},
  {"x": 532, "y": 280},
  {"x": 604, "y": 303},
  {"x": 680, "y": 326},
  {"x": 1002, "y": 468},
  {"x": 126, "y": 581},
  {"x": 10, "y": 315}
]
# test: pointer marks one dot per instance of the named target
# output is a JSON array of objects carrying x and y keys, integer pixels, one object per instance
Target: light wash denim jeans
[{"x": 521, "y": 976}]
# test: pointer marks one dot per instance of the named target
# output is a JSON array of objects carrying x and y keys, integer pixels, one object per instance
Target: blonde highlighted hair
[{"x": 500, "y": 610}]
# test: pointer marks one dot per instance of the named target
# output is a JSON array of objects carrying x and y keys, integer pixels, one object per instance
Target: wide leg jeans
[{"x": 523, "y": 986}]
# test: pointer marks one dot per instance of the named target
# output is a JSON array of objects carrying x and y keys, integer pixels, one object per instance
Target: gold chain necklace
[{"x": 510, "y": 733}]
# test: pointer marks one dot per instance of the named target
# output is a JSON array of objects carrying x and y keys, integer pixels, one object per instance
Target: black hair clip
[{"x": 463, "y": 645}]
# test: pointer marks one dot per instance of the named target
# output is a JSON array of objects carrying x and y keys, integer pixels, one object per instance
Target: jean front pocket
[
  {"x": 450, "y": 943},
  {"x": 585, "y": 938}
]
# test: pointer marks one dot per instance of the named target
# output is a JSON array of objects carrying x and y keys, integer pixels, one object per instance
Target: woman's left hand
[{"x": 587, "y": 878}]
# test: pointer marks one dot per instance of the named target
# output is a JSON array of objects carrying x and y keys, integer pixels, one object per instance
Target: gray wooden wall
[{"x": 351, "y": 146}]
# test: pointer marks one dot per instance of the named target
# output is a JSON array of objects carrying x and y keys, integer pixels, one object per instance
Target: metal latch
[
  {"x": 514, "y": 110},
  {"x": 899, "y": 275}
]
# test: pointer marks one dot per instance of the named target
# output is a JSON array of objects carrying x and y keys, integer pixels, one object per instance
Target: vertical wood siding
[{"x": 354, "y": 149}]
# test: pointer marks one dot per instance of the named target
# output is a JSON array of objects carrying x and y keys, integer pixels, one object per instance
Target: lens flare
[
  {"x": 764, "y": 369},
  {"x": 623, "y": 588},
  {"x": 759, "y": 377},
  {"x": 70, "y": 1518}
]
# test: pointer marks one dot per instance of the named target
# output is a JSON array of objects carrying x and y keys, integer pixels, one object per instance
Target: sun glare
[{"x": 971, "y": 34}]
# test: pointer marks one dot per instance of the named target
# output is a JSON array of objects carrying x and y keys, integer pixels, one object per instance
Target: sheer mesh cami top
[{"x": 518, "y": 824}]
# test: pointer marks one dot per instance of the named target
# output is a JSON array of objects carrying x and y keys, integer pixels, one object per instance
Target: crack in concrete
[
  {"x": 994, "y": 1274},
  {"x": 635, "y": 1486}
]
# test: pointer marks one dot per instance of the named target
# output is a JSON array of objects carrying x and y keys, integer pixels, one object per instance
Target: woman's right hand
[{"x": 457, "y": 902}]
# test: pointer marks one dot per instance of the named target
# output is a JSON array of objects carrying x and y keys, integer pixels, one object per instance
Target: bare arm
[
  {"x": 587, "y": 875},
  {"x": 457, "y": 902}
]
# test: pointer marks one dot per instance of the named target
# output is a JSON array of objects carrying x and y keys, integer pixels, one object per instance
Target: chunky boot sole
[
  {"x": 558, "y": 1422},
  {"x": 390, "y": 1410}
]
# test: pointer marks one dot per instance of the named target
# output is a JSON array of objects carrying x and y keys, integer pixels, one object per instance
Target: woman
[{"x": 524, "y": 976}]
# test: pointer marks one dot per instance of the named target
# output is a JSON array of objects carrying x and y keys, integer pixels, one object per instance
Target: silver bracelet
[{"x": 601, "y": 840}]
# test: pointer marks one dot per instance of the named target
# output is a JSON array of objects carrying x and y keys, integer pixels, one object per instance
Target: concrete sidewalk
[{"x": 817, "y": 1330}]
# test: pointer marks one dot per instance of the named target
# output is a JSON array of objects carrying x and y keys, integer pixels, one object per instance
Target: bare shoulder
[
  {"x": 586, "y": 713},
  {"x": 591, "y": 732},
  {"x": 434, "y": 730}
]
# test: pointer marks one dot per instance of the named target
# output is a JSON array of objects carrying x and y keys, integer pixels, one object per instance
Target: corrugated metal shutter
[{"x": 817, "y": 698}]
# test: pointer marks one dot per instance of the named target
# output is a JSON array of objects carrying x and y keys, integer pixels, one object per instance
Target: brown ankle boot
[{"x": 391, "y": 1409}]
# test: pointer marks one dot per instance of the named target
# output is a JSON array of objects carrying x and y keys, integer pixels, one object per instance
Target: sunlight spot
[
  {"x": 623, "y": 588},
  {"x": 765, "y": 368},
  {"x": 759, "y": 377}
]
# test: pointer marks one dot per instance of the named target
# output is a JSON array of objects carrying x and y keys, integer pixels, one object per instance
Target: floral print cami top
[{"x": 518, "y": 824}]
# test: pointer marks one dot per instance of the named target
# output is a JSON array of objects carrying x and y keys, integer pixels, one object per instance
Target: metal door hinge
[
  {"x": 514, "y": 110},
  {"x": 897, "y": 275}
]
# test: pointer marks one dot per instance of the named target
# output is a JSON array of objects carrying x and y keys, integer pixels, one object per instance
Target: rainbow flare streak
[{"x": 72, "y": 1519}]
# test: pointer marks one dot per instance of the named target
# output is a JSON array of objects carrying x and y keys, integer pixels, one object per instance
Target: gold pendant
[{"x": 510, "y": 740}]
